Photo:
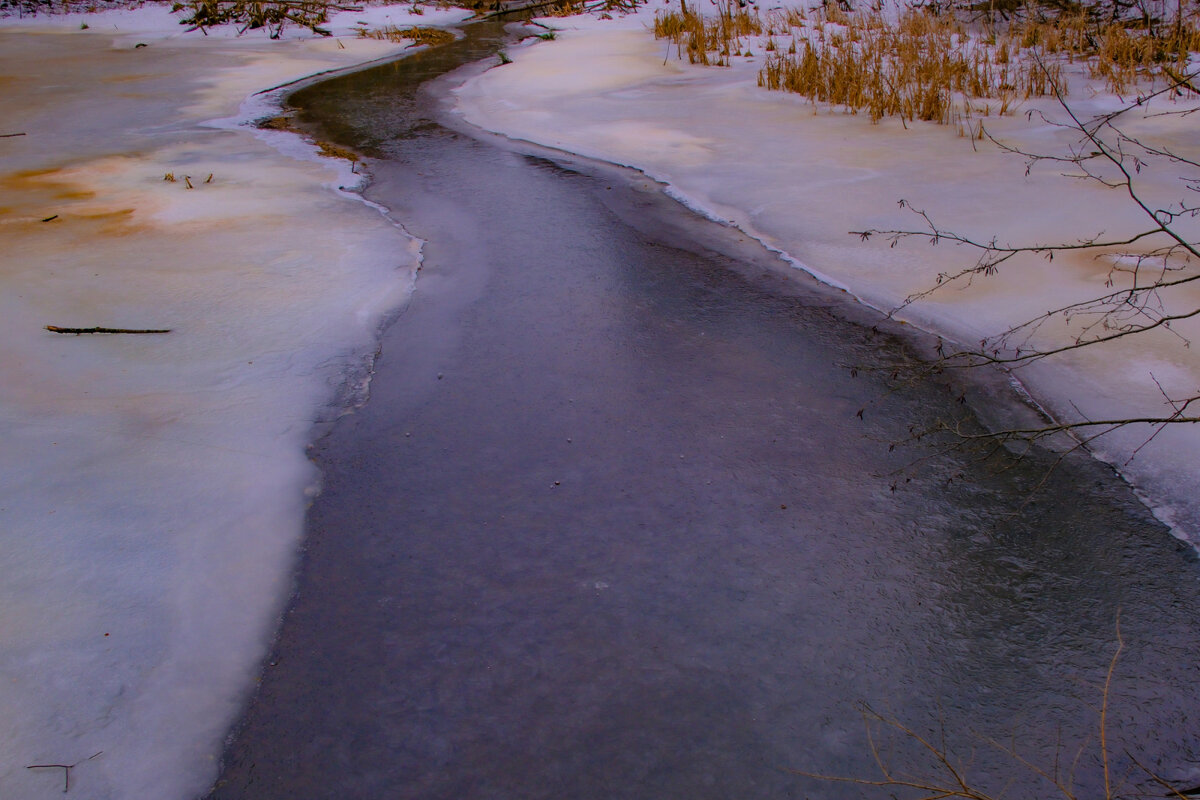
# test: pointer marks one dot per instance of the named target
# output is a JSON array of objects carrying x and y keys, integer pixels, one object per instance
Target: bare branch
[{"x": 1149, "y": 265}]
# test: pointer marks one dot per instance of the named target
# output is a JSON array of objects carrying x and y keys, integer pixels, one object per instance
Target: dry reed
[
  {"x": 919, "y": 68},
  {"x": 927, "y": 65},
  {"x": 251, "y": 14},
  {"x": 417, "y": 34},
  {"x": 698, "y": 35},
  {"x": 1121, "y": 53}
]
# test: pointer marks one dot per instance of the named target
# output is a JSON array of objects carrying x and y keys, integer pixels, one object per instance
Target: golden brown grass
[
  {"x": 1122, "y": 54},
  {"x": 921, "y": 68},
  {"x": 699, "y": 36},
  {"x": 925, "y": 65},
  {"x": 417, "y": 34},
  {"x": 331, "y": 150},
  {"x": 285, "y": 123},
  {"x": 280, "y": 123}
]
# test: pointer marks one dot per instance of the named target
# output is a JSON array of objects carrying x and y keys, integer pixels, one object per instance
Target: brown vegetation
[
  {"x": 418, "y": 35},
  {"x": 1151, "y": 264},
  {"x": 566, "y": 8},
  {"x": 1122, "y": 53},
  {"x": 331, "y": 150},
  {"x": 699, "y": 35},
  {"x": 930, "y": 64},
  {"x": 924, "y": 765},
  {"x": 286, "y": 123},
  {"x": 252, "y": 14},
  {"x": 918, "y": 68}
]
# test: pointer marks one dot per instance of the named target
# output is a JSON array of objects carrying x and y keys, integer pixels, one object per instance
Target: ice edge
[
  {"x": 354, "y": 390},
  {"x": 1163, "y": 512}
]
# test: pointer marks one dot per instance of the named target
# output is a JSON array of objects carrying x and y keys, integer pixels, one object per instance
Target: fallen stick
[
  {"x": 1181, "y": 81},
  {"x": 66, "y": 768},
  {"x": 516, "y": 9},
  {"x": 79, "y": 331},
  {"x": 10, "y": 135}
]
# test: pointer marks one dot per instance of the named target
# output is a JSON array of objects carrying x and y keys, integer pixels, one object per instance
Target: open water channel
[{"x": 610, "y": 525}]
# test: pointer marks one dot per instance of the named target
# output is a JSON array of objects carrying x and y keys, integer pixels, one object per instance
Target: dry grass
[
  {"x": 1121, "y": 53},
  {"x": 1124, "y": 56},
  {"x": 331, "y": 150},
  {"x": 252, "y": 14},
  {"x": 286, "y": 123},
  {"x": 911, "y": 763},
  {"x": 700, "y": 36},
  {"x": 927, "y": 65},
  {"x": 604, "y": 9},
  {"x": 924, "y": 67},
  {"x": 280, "y": 123},
  {"x": 417, "y": 34}
]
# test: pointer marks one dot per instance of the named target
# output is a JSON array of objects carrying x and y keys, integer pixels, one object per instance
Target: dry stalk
[
  {"x": 253, "y": 14},
  {"x": 945, "y": 776},
  {"x": 924, "y": 67},
  {"x": 418, "y": 35},
  {"x": 928, "y": 65},
  {"x": 708, "y": 40}
]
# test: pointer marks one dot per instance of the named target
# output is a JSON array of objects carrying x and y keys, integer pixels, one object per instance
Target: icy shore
[
  {"x": 800, "y": 179},
  {"x": 153, "y": 488}
]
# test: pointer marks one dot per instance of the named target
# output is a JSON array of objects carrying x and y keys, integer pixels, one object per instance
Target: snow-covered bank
[
  {"x": 801, "y": 179},
  {"x": 153, "y": 488}
]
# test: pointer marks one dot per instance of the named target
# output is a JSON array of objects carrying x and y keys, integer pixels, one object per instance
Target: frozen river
[{"x": 610, "y": 524}]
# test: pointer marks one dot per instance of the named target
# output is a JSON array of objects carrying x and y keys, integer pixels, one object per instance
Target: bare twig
[
  {"x": 1151, "y": 263},
  {"x": 270, "y": 14},
  {"x": 517, "y": 9},
  {"x": 66, "y": 768},
  {"x": 1112, "y": 666},
  {"x": 944, "y": 776}
]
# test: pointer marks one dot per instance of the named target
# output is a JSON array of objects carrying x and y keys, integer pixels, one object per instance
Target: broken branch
[
  {"x": 66, "y": 768},
  {"x": 79, "y": 331}
]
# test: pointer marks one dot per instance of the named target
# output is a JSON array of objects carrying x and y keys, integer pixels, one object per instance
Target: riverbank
[
  {"x": 800, "y": 179},
  {"x": 609, "y": 524},
  {"x": 154, "y": 487}
]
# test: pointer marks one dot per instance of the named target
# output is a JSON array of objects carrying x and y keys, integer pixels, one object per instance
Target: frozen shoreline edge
[
  {"x": 236, "y": 297},
  {"x": 1022, "y": 393},
  {"x": 350, "y": 185},
  {"x": 667, "y": 145}
]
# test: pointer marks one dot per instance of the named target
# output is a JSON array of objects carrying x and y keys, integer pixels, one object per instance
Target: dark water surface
[{"x": 609, "y": 526}]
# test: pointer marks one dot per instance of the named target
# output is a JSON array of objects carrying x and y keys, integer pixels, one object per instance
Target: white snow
[
  {"x": 154, "y": 20},
  {"x": 800, "y": 178},
  {"x": 153, "y": 488}
]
